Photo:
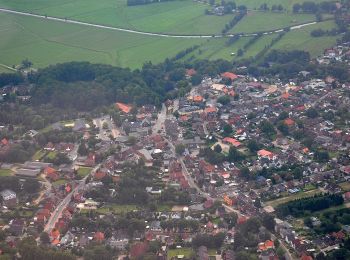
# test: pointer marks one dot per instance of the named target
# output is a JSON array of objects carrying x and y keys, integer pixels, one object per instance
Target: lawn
[
  {"x": 187, "y": 252},
  {"x": 50, "y": 42},
  {"x": 116, "y": 209},
  {"x": 51, "y": 155},
  {"x": 296, "y": 196},
  {"x": 345, "y": 186},
  {"x": 261, "y": 21},
  {"x": 5, "y": 172},
  {"x": 59, "y": 182},
  {"x": 39, "y": 155},
  {"x": 83, "y": 171}
]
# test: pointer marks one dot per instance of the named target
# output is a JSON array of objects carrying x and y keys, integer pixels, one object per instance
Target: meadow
[
  {"x": 174, "y": 17},
  {"x": 50, "y": 42},
  {"x": 46, "y": 42}
]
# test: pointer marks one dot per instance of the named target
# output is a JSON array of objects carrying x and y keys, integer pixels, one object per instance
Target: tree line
[{"x": 300, "y": 207}]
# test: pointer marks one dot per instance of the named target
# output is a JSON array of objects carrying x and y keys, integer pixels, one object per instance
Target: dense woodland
[{"x": 302, "y": 207}]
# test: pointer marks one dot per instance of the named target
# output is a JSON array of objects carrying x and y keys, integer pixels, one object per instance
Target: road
[
  {"x": 70, "y": 21},
  {"x": 287, "y": 254},
  {"x": 64, "y": 203},
  {"x": 47, "y": 189},
  {"x": 159, "y": 124}
]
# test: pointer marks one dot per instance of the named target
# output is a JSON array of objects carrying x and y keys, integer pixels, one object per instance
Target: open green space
[
  {"x": 83, "y": 171},
  {"x": 46, "y": 42},
  {"x": 185, "y": 17},
  {"x": 299, "y": 195},
  {"x": 39, "y": 155},
  {"x": 268, "y": 21},
  {"x": 300, "y": 39},
  {"x": 345, "y": 186},
  {"x": 50, "y": 42},
  {"x": 116, "y": 209},
  {"x": 188, "y": 253},
  {"x": 59, "y": 182},
  {"x": 5, "y": 172}
]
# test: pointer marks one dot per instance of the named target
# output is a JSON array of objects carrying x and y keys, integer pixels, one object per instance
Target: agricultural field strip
[{"x": 295, "y": 27}]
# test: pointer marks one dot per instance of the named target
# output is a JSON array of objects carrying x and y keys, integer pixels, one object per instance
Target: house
[
  {"x": 99, "y": 237},
  {"x": 231, "y": 141},
  {"x": 119, "y": 243},
  {"x": 9, "y": 198},
  {"x": 229, "y": 75},
  {"x": 123, "y": 107},
  {"x": 266, "y": 154},
  {"x": 268, "y": 244}
]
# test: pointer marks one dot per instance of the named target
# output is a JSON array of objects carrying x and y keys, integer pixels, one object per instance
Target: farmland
[{"x": 46, "y": 42}]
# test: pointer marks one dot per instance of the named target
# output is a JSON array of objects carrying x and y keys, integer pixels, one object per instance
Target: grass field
[
  {"x": 5, "y": 172},
  {"x": 186, "y": 252},
  {"x": 59, "y": 182},
  {"x": 46, "y": 42},
  {"x": 39, "y": 155},
  {"x": 116, "y": 209},
  {"x": 83, "y": 171},
  {"x": 262, "y": 21},
  {"x": 299, "y": 195},
  {"x": 301, "y": 39},
  {"x": 345, "y": 186},
  {"x": 56, "y": 42},
  {"x": 173, "y": 17}
]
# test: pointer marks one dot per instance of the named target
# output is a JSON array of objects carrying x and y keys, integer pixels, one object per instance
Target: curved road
[{"x": 4, "y": 10}]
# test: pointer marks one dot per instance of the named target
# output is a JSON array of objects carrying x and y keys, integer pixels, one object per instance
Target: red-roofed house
[
  {"x": 190, "y": 72},
  {"x": 123, "y": 107},
  {"x": 289, "y": 122},
  {"x": 229, "y": 75},
  {"x": 99, "y": 175},
  {"x": 99, "y": 237},
  {"x": 266, "y": 154},
  {"x": 232, "y": 141}
]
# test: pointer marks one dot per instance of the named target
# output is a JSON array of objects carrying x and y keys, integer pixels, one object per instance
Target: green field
[
  {"x": 183, "y": 16},
  {"x": 186, "y": 252},
  {"x": 267, "y": 21},
  {"x": 83, "y": 171},
  {"x": 46, "y": 42},
  {"x": 115, "y": 209},
  {"x": 50, "y": 42},
  {"x": 301, "y": 39},
  {"x": 5, "y": 172}
]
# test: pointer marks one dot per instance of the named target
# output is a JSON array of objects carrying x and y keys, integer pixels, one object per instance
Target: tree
[
  {"x": 311, "y": 113},
  {"x": 180, "y": 149},
  {"x": 234, "y": 155},
  {"x": 224, "y": 100},
  {"x": 280, "y": 252},
  {"x": 227, "y": 129},
  {"x": 45, "y": 238},
  {"x": 267, "y": 128},
  {"x": 82, "y": 149},
  {"x": 218, "y": 148},
  {"x": 253, "y": 146},
  {"x": 321, "y": 156}
]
